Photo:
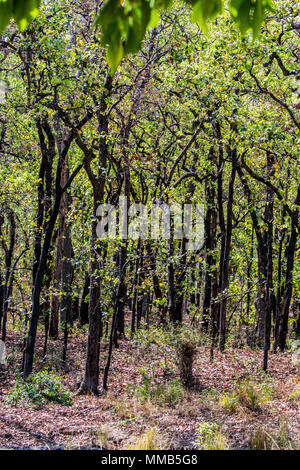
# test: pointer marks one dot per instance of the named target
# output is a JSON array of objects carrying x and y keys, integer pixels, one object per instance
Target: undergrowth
[
  {"x": 168, "y": 394},
  {"x": 282, "y": 439},
  {"x": 211, "y": 437},
  {"x": 247, "y": 394},
  {"x": 149, "y": 440},
  {"x": 39, "y": 389}
]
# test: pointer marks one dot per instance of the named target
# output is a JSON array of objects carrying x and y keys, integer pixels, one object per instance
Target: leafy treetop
[{"x": 124, "y": 22}]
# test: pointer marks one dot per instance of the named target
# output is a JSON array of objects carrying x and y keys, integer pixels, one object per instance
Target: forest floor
[{"x": 140, "y": 399}]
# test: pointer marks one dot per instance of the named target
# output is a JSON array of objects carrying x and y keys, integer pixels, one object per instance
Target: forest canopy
[
  {"x": 124, "y": 24},
  {"x": 109, "y": 132}
]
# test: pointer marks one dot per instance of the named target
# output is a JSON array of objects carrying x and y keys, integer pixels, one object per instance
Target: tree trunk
[{"x": 225, "y": 262}]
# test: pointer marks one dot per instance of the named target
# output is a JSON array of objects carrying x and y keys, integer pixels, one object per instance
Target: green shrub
[
  {"x": 143, "y": 391},
  {"x": 293, "y": 397},
  {"x": 210, "y": 437},
  {"x": 229, "y": 402},
  {"x": 248, "y": 395},
  {"x": 167, "y": 394},
  {"x": 159, "y": 336},
  {"x": 38, "y": 389}
]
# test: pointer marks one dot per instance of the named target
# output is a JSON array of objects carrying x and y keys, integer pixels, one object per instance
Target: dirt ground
[{"x": 113, "y": 419}]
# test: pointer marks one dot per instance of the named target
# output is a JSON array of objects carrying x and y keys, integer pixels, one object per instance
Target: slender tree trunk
[
  {"x": 9, "y": 252},
  {"x": 225, "y": 261},
  {"x": 268, "y": 242},
  {"x": 59, "y": 191},
  {"x": 84, "y": 305},
  {"x": 29, "y": 351},
  {"x": 91, "y": 376},
  {"x": 287, "y": 296}
]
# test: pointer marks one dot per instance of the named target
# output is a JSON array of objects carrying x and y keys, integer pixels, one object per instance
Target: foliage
[
  {"x": 124, "y": 24},
  {"x": 22, "y": 11},
  {"x": 229, "y": 402},
  {"x": 168, "y": 394},
  {"x": 281, "y": 439},
  {"x": 160, "y": 336},
  {"x": 179, "y": 119},
  {"x": 210, "y": 437},
  {"x": 40, "y": 388},
  {"x": 247, "y": 394}
]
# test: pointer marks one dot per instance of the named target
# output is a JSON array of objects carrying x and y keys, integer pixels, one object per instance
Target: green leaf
[
  {"x": 22, "y": 11},
  {"x": 123, "y": 27},
  {"x": 5, "y": 15},
  {"x": 204, "y": 10},
  {"x": 162, "y": 4},
  {"x": 115, "y": 52},
  {"x": 249, "y": 14},
  {"x": 154, "y": 19}
]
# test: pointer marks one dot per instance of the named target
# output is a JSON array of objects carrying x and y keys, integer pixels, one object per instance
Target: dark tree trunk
[
  {"x": 209, "y": 235},
  {"x": 29, "y": 350},
  {"x": 6, "y": 288},
  {"x": 287, "y": 295},
  {"x": 225, "y": 262},
  {"x": 156, "y": 287},
  {"x": 84, "y": 305},
  {"x": 91, "y": 377},
  {"x": 268, "y": 247},
  {"x": 38, "y": 284},
  {"x": 171, "y": 280},
  {"x": 66, "y": 314},
  {"x": 136, "y": 286}
]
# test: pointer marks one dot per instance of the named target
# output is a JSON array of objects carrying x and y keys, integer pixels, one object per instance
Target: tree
[
  {"x": 124, "y": 25},
  {"x": 192, "y": 118}
]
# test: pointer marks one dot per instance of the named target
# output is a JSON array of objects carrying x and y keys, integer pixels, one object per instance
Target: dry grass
[{"x": 152, "y": 439}]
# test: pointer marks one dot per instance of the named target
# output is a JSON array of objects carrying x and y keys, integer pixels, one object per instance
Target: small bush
[
  {"x": 39, "y": 389},
  {"x": 293, "y": 397},
  {"x": 261, "y": 440},
  {"x": 248, "y": 395},
  {"x": 210, "y": 437},
  {"x": 281, "y": 439},
  {"x": 143, "y": 391},
  {"x": 167, "y": 394},
  {"x": 210, "y": 393},
  {"x": 159, "y": 336},
  {"x": 229, "y": 402}
]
